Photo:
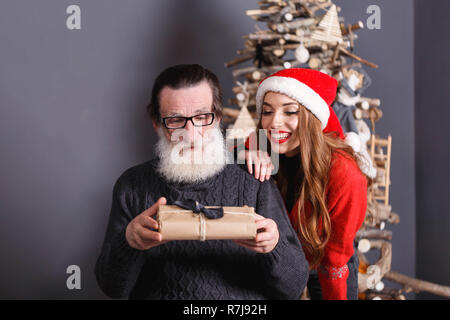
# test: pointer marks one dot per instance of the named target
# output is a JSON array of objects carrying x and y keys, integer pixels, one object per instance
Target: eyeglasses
[{"x": 199, "y": 120}]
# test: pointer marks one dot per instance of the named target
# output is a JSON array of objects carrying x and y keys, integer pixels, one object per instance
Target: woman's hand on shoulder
[{"x": 262, "y": 162}]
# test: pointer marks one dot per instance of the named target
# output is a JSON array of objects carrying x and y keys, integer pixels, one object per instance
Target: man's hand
[
  {"x": 141, "y": 232},
  {"x": 267, "y": 236}
]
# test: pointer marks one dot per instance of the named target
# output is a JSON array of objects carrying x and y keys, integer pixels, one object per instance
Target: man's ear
[
  {"x": 217, "y": 119},
  {"x": 155, "y": 125}
]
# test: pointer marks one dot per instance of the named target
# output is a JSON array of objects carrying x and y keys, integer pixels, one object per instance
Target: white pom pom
[
  {"x": 240, "y": 97},
  {"x": 353, "y": 140},
  {"x": 356, "y": 142},
  {"x": 364, "y": 245},
  {"x": 288, "y": 16},
  {"x": 379, "y": 286},
  {"x": 365, "y": 105}
]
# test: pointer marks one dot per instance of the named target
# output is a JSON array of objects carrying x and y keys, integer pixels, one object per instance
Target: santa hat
[
  {"x": 313, "y": 89},
  {"x": 316, "y": 91}
]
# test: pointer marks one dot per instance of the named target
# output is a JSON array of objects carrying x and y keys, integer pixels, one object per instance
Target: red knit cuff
[{"x": 333, "y": 281}]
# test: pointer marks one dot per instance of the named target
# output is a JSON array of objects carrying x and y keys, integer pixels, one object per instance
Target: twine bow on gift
[
  {"x": 202, "y": 211},
  {"x": 194, "y": 206}
]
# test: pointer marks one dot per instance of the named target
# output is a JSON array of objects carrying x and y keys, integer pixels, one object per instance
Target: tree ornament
[{"x": 302, "y": 54}]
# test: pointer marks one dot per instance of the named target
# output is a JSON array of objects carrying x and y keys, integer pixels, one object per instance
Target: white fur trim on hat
[{"x": 297, "y": 91}]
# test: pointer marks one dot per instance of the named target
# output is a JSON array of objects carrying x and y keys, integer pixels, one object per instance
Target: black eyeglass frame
[{"x": 186, "y": 119}]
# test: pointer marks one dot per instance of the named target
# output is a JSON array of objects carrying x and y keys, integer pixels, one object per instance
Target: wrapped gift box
[{"x": 176, "y": 223}]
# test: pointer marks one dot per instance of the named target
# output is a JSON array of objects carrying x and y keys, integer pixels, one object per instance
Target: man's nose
[{"x": 192, "y": 131}]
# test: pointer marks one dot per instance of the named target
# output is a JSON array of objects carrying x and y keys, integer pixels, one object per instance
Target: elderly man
[{"x": 136, "y": 262}]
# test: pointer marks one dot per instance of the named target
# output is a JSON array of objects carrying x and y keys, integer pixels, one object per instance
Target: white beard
[{"x": 180, "y": 163}]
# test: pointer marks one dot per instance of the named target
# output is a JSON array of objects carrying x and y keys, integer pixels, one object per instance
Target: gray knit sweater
[{"x": 213, "y": 269}]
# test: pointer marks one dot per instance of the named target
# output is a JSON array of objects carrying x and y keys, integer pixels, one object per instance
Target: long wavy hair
[{"x": 315, "y": 152}]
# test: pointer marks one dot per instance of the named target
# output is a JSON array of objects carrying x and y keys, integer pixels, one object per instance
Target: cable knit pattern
[{"x": 211, "y": 269}]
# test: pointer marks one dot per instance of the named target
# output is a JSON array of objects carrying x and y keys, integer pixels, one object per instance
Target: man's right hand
[{"x": 141, "y": 232}]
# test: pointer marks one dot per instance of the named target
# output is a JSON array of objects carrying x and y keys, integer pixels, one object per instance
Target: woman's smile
[{"x": 279, "y": 136}]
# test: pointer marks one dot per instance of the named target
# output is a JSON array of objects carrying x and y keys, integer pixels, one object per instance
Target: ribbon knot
[{"x": 196, "y": 207}]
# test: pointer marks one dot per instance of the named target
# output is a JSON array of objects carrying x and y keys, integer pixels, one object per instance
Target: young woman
[{"x": 319, "y": 176}]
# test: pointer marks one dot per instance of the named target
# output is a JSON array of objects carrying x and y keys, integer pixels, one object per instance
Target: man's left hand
[{"x": 267, "y": 236}]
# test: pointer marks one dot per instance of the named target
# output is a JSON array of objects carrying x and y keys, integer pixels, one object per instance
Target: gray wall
[
  {"x": 392, "y": 48},
  {"x": 72, "y": 118},
  {"x": 432, "y": 141}
]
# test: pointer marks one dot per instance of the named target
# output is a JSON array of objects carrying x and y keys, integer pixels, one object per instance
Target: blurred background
[{"x": 72, "y": 119}]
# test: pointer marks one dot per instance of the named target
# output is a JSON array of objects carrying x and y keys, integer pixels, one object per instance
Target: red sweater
[{"x": 346, "y": 194}]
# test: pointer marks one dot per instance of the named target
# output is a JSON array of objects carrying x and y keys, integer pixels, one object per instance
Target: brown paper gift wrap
[{"x": 176, "y": 223}]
